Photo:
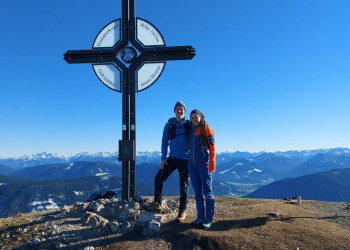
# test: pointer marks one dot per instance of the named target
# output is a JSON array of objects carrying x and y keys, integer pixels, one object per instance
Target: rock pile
[
  {"x": 119, "y": 216},
  {"x": 76, "y": 225}
]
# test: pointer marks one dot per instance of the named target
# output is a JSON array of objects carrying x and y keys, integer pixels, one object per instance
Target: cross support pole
[
  {"x": 128, "y": 69},
  {"x": 129, "y": 106}
]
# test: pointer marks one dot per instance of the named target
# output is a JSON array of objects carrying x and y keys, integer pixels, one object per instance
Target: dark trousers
[{"x": 163, "y": 174}]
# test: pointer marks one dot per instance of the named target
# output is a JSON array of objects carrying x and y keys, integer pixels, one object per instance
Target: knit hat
[
  {"x": 181, "y": 104},
  {"x": 197, "y": 112}
]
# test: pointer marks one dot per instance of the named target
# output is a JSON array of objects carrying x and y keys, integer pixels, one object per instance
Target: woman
[{"x": 201, "y": 166}]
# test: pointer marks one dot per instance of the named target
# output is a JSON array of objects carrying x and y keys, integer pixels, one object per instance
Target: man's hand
[{"x": 164, "y": 162}]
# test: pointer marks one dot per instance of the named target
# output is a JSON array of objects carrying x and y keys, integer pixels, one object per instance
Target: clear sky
[{"x": 269, "y": 75}]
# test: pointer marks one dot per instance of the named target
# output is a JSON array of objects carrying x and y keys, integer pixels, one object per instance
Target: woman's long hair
[
  {"x": 203, "y": 128},
  {"x": 202, "y": 122}
]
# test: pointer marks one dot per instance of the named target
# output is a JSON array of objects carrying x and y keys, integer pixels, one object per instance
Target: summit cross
[{"x": 128, "y": 56}]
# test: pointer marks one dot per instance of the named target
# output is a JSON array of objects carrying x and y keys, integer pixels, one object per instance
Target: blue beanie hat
[
  {"x": 197, "y": 112},
  {"x": 181, "y": 104}
]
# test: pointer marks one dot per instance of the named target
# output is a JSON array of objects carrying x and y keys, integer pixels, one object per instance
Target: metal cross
[{"x": 133, "y": 55}]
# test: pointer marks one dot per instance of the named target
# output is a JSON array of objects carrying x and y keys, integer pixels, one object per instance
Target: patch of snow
[
  {"x": 78, "y": 193},
  {"x": 51, "y": 204},
  {"x": 39, "y": 205},
  {"x": 100, "y": 174},
  {"x": 254, "y": 170},
  {"x": 70, "y": 165},
  {"x": 222, "y": 172}
]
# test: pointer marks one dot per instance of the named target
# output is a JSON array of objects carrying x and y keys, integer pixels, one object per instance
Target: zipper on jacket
[{"x": 193, "y": 144}]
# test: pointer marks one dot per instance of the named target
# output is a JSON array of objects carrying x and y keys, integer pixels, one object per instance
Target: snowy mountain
[
  {"x": 311, "y": 153},
  {"x": 69, "y": 170},
  {"x": 243, "y": 171},
  {"x": 321, "y": 162},
  {"x": 52, "y": 158}
]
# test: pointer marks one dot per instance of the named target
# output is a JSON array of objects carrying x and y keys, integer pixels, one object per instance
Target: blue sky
[{"x": 269, "y": 75}]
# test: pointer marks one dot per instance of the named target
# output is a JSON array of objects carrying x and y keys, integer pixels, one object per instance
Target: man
[{"x": 175, "y": 135}]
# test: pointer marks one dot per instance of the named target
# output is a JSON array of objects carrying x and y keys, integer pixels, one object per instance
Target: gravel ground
[{"x": 238, "y": 224}]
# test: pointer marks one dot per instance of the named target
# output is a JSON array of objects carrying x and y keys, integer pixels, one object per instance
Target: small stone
[
  {"x": 136, "y": 206},
  {"x": 171, "y": 204},
  {"x": 34, "y": 242},
  {"x": 154, "y": 226},
  {"x": 96, "y": 207},
  {"x": 274, "y": 214},
  {"x": 66, "y": 209},
  {"x": 81, "y": 205},
  {"x": 89, "y": 248},
  {"x": 59, "y": 245},
  {"x": 113, "y": 226}
]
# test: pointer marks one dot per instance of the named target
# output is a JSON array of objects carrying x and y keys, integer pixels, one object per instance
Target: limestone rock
[
  {"x": 154, "y": 226},
  {"x": 95, "y": 220},
  {"x": 114, "y": 226}
]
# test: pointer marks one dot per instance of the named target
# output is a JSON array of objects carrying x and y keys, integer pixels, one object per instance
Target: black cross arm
[
  {"x": 90, "y": 56},
  {"x": 168, "y": 53}
]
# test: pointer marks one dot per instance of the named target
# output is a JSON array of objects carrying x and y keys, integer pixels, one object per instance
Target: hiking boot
[
  {"x": 206, "y": 224},
  {"x": 197, "y": 223},
  {"x": 181, "y": 217},
  {"x": 153, "y": 206}
]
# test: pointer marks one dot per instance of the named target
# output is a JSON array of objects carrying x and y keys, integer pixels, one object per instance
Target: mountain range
[
  {"x": 64, "y": 179},
  {"x": 330, "y": 185},
  {"x": 53, "y": 158},
  {"x": 152, "y": 157},
  {"x": 54, "y": 185}
]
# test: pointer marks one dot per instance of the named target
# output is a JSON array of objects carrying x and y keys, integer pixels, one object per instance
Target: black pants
[{"x": 163, "y": 174}]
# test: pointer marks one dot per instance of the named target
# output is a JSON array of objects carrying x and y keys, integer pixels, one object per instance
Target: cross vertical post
[{"x": 129, "y": 107}]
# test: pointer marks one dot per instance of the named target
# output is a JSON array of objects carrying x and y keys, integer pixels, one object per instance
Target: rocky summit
[
  {"x": 238, "y": 224},
  {"x": 76, "y": 225}
]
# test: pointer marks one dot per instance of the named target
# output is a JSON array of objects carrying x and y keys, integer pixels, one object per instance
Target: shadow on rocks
[{"x": 45, "y": 218}]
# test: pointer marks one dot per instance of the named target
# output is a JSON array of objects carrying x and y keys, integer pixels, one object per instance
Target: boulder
[{"x": 95, "y": 220}]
